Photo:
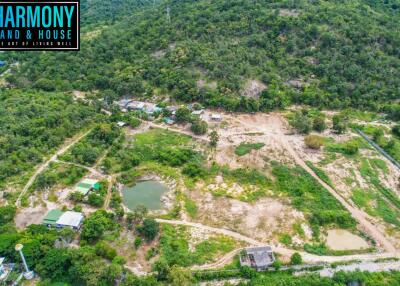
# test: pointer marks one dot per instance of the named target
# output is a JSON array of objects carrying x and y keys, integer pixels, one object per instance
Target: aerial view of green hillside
[{"x": 199, "y": 142}]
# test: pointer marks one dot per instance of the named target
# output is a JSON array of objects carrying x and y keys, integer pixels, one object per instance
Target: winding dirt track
[
  {"x": 44, "y": 165},
  {"x": 275, "y": 126}
]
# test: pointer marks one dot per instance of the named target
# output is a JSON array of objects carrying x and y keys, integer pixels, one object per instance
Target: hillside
[{"x": 331, "y": 54}]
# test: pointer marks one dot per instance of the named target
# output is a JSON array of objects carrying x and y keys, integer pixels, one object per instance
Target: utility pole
[
  {"x": 28, "y": 274},
  {"x": 168, "y": 14}
]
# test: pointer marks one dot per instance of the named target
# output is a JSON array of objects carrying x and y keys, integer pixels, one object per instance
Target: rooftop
[
  {"x": 52, "y": 216},
  {"x": 70, "y": 218}
]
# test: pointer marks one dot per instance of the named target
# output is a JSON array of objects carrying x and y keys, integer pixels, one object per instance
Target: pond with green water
[{"x": 147, "y": 193}]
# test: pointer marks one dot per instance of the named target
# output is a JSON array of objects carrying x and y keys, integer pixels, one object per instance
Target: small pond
[
  {"x": 147, "y": 193},
  {"x": 340, "y": 239}
]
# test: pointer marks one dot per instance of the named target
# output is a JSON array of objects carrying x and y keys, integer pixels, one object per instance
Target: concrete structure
[
  {"x": 87, "y": 185},
  {"x": 259, "y": 258},
  {"x": 70, "y": 219},
  {"x": 52, "y": 217}
]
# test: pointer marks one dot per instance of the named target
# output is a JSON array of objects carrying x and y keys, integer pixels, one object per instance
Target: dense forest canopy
[
  {"x": 32, "y": 124},
  {"x": 324, "y": 53},
  {"x": 338, "y": 53}
]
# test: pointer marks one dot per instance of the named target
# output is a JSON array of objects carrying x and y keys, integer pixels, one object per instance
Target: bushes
[
  {"x": 296, "y": 259},
  {"x": 199, "y": 127},
  {"x": 149, "y": 229},
  {"x": 7, "y": 214},
  {"x": 314, "y": 141}
]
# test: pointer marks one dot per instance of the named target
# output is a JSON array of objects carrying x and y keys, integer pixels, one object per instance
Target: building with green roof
[
  {"x": 52, "y": 217},
  {"x": 86, "y": 185}
]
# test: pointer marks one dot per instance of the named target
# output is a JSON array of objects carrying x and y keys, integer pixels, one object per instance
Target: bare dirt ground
[
  {"x": 263, "y": 220},
  {"x": 253, "y": 88}
]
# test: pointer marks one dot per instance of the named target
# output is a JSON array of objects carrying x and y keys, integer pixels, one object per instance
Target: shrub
[
  {"x": 314, "y": 141},
  {"x": 296, "y": 259},
  {"x": 199, "y": 127},
  {"x": 351, "y": 148},
  {"x": 319, "y": 124}
]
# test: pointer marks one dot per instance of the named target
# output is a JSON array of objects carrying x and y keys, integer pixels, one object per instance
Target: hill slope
[{"x": 324, "y": 53}]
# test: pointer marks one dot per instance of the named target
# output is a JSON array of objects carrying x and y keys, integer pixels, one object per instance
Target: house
[
  {"x": 70, "y": 219},
  {"x": 216, "y": 117},
  {"x": 151, "y": 108},
  {"x": 123, "y": 103},
  {"x": 259, "y": 258},
  {"x": 52, "y": 217},
  {"x": 135, "y": 105},
  {"x": 87, "y": 185},
  {"x": 59, "y": 219}
]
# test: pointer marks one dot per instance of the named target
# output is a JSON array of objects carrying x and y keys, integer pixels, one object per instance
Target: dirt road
[
  {"x": 275, "y": 126},
  {"x": 44, "y": 165}
]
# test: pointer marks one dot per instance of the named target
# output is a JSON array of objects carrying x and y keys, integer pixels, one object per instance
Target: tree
[
  {"x": 301, "y": 122},
  {"x": 319, "y": 123},
  {"x": 7, "y": 214},
  {"x": 339, "y": 124},
  {"x": 182, "y": 115},
  {"x": 162, "y": 268},
  {"x": 199, "y": 127},
  {"x": 214, "y": 138},
  {"x": 149, "y": 229},
  {"x": 95, "y": 225},
  {"x": 296, "y": 259},
  {"x": 139, "y": 213},
  {"x": 179, "y": 276},
  {"x": 95, "y": 200},
  {"x": 314, "y": 141}
]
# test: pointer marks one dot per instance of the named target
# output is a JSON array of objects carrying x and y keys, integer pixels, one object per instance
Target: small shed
[
  {"x": 216, "y": 117},
  {"x": 70, "y": 219},
  {"x": 121, "y": 124},
  {"x": 259, "y": 258},
  {"x": 52, "y": 217},
  {"x": 198, "y": 112},
  {"x": 87, "y": 185}
]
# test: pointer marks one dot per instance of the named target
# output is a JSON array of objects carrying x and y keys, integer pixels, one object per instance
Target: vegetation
[
  {"x": 311, "y": 198},
  {"x": 296, "y": 259},
  {"x": 337, "y": 66},
  {"x": 314, "y": 141},
  {"x": 199, "y": 127},
  {"x": 87, "y": 151},
  {"x": 245, "y": 148},
  {"x": 32, "y": 125}
]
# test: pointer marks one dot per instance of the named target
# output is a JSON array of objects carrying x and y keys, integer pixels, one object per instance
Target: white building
[
  {"x": 216, "y": 117},
  {"x": 70, "y": 219}
]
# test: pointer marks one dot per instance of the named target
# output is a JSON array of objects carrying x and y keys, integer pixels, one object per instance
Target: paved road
[{"x": 44, "y": 165}]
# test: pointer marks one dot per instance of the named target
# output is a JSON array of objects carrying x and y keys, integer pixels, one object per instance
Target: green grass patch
[
  {"x": 174, "y": 247},
  {"x": 190, "y": 207},
  {"x": 320, "y": 173},
  {"x": 310, "y": 197},
  {"x": 245, "y": 148}
]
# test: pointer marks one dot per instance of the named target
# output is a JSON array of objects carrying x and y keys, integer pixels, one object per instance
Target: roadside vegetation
[{"x": 245, "y": 148}]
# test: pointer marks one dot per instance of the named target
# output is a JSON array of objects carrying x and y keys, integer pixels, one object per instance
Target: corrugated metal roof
[
  {"x": 52, "y": 216},
  {"x": 70, "y": 218}
]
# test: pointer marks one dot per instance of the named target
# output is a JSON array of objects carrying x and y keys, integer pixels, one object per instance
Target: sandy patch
[
  {"x": 339, "y": 239},
  {"x": 253, "y": 88}
]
